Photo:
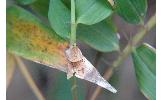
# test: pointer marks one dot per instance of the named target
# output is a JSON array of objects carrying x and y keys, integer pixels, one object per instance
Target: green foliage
[
  {"x": 25, "y": 2},
  {"x": 144, "y": 59},
  {"x": 101, "y": 36},
  {"x": 92, "y": 11},
  {"x": 61, "y": 89},
  {"x": 147, "y": 54},
  {"x": 59, "y": 17},
  {"x": 41, "y": 7},
  {"x": 81, "y": 89},
  {"x": 30, "y": 38},
  {"x": 132, "y": 11}
]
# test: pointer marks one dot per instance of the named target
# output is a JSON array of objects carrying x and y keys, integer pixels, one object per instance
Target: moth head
[{"x": 73, "y": 54}]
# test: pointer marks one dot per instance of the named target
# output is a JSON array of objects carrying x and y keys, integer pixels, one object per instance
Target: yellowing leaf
[
  {"x": 28, "y": 37},
  {"x": 31, "y": 39}
]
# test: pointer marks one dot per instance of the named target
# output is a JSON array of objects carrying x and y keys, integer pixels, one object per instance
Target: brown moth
[
  {"x": 79, "y": 66},
  {"x": 75, "y": 64}
]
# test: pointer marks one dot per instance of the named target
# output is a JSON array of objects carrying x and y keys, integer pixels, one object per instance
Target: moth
[{"x": 80, "y": 67}]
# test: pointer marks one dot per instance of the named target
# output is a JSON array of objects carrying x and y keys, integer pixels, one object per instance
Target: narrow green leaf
[
  {"x": 133, "y": 11},
  {"x": 101, "y": 36},
  {"x": 145, "y": 65},
  {"x": 92, "y": 11},
  {"x": 41, "y": 7},
  {"x": 59, "y": 17},
  {"x": 148, "y": 56},
  {"x": 25, "y": 2},
  {"x": 28, "y": 37}
]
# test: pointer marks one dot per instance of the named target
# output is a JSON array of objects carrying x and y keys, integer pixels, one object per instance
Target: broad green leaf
[
  {"x": 81, "y": 89},
  {"x": 102, "y": 32},
  {"x": 67, "y": 3},
  {"x": 41, "y": 7},
  {"x": 61, "y": 89},
  {"x": 92, "y": 11},
  {"x": 133, "y": 11},
  {"x": 28, "y": 37},
  {"x": 59, "y": 18},
  {"x": 25, "y": 2},
  {"x": 144, "y": 59},
  {"x": 101, "y": 36}
]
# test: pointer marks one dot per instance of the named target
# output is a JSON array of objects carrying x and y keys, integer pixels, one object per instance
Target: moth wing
[{"x": 92, "y": 75}]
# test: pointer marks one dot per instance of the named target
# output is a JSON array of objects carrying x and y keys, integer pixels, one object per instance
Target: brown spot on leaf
[{"x": 37, "y": 38}]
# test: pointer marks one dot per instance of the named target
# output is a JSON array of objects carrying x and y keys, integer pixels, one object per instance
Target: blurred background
[{"x": 123, "y": 79}]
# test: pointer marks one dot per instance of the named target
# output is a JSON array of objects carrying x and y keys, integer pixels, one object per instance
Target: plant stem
[
  {"x": 9, "y": 75},
  {"x": 74, "y": 88},
  {"x": 10, "y": 70},
  {"x": 73, "y": 43},
  {"x": 96, "y": 60},
  {"x": 29, "y": 79},
  {"x": 127, "y": 50},
  {"x": 73, "y": 24},
  {"x": 111, "y": 2}
]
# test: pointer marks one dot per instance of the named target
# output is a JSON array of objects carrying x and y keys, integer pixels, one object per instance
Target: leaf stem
[
  {"x": 96, "y": 60},
  {"x": 73, "y": 43},
  {"x": 127, "y": 50},
  {"x": 111, "y": 2},
  {"x": 29, "y": 79},
  {"x": 9, "y": 75},
  {"x": 74, "y": 88},
  {"x": 73, "y": 24},
  {"x": 10, "y": 69}
]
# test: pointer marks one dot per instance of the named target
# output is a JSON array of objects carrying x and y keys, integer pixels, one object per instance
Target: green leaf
[
  {"x": 41, "y": 7},
  {"x": 92, "y": 11},
  {"x": 87, "y": 11},
  {"x": 28, "y": 37},
  {"x": 144, "y": 59},
  {"x": 25, "y": 2},
  {"x": 101, "y": 36},
  {"x": 81, "y": 89},
  {"x": 59, "y": 17},
  {"x": 148, "y": 56},
  {"x": 132, "y": 11},
  {"x": 61, "y": 89}
]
